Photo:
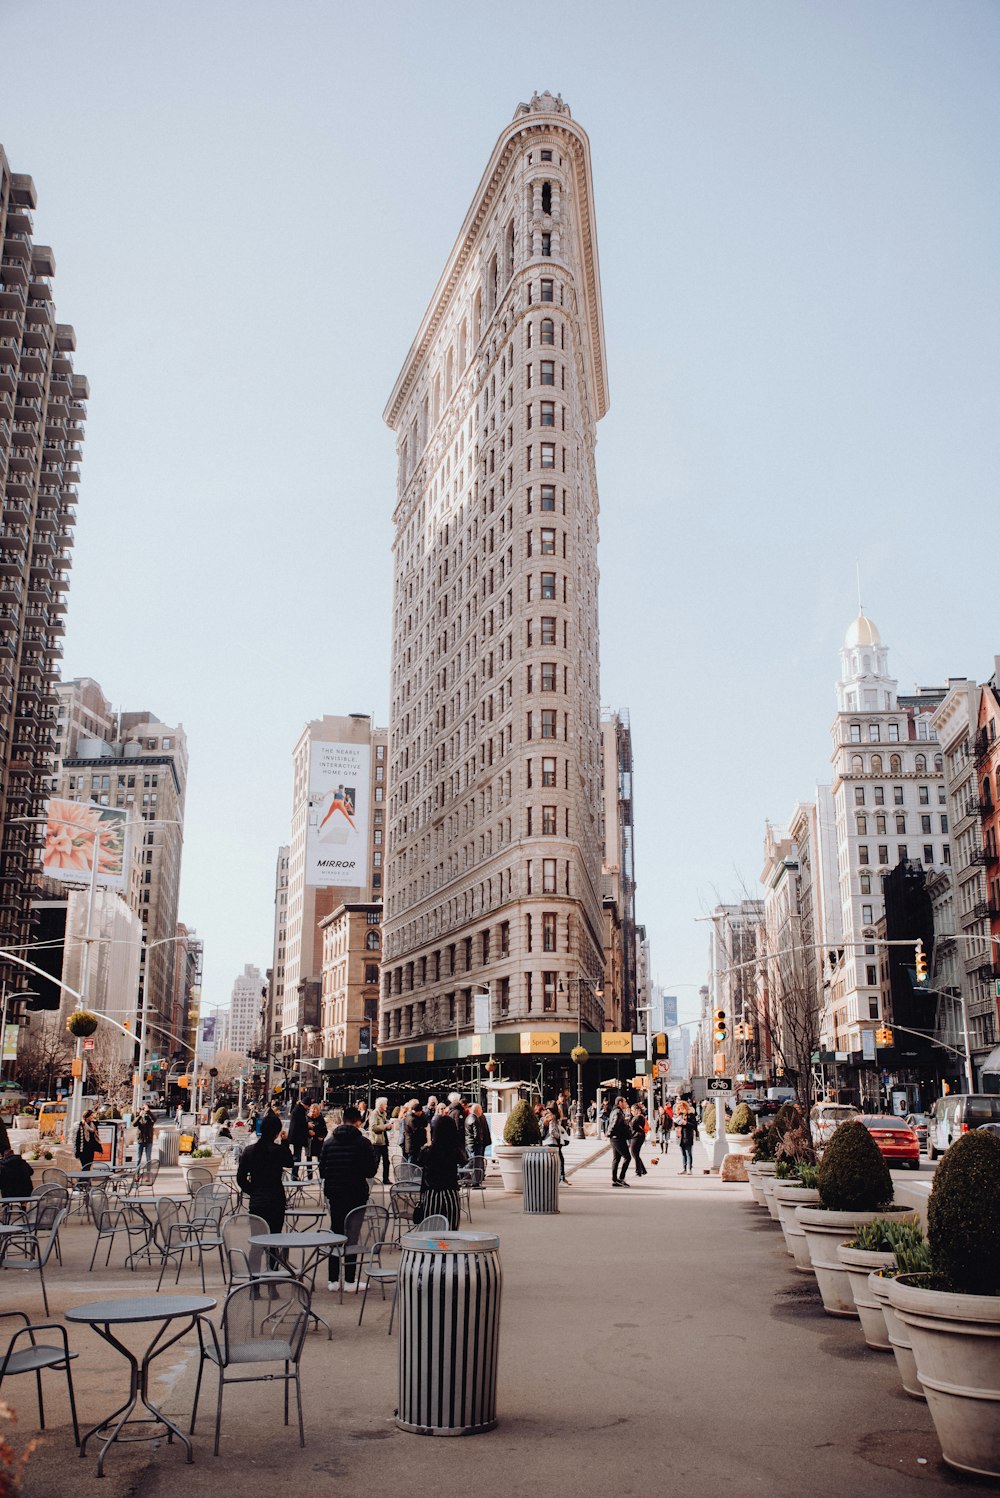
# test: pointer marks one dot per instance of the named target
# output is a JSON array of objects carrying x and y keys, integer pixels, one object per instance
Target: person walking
[
  {"x": 316, "y": 1124},
  {"x": 638, "y": 1128},
  {"x": 664, "y": 1127},
  {"x": 414, "y": 1132},
  {"x": 603, "y": 1117},
  {"x": 144, "y": 1136},
  {"x": 685, "y": 1122},
  {"x": 552, "y": 1137},
  {"x": 87, "y": 1143},
  {"x": 298, "y": 1135},
  {"x": 439, "y": 1162},
  {"x": 346, "y": 1165},
  {"x": 619, "y": 1131},
  {"x": 260, "y": 1174},
  {"x": 378, "y": 1131}
]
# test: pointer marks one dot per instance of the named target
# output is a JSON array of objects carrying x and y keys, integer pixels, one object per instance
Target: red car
[{"x": 895, "y": 1138}]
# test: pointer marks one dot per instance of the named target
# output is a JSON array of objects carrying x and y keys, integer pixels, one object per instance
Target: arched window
[
  {"x": 876, "y": 764},
  {"x": 462, "y": 348},
  {"x": 477, "y": 316},
  {"x": 920, "y": 764},
  {"x": 895, "y": 764},
  {"x": 548, "y": 330},
  {"x": 857, "y": 765},
  {"x": 371, "y": 941}
]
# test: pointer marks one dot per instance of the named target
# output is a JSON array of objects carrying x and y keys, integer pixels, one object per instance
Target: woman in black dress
[
  {"x": 637, "y": 1130},
  {"x": 259, "y": 1173},
  {"x": 439, "y": 1162}
]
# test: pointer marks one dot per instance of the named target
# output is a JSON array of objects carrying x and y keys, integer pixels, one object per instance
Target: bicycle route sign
[{"x": 720, "y": 1084}]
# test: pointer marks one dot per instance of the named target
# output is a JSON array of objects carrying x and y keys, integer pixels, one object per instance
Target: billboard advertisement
[
  {"x": 75, "y": 833},
  {"x": 337, "y": 815}
]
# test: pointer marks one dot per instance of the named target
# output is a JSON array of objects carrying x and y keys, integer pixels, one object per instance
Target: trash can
[
  {"x": 168, "y": 1145},
  {"x": 449, "y": 1333},
  {"x": 541, "y": 1179}
]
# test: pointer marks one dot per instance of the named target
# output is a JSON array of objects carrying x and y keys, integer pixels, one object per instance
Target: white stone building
[{"x": 244, "y": 1009}]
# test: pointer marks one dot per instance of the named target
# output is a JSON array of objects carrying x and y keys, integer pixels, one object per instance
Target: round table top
[
  {"x": 13, "y": 1227},
  {"x": 317, "y": 1238},
  {"x": 141, "y": 1308}
]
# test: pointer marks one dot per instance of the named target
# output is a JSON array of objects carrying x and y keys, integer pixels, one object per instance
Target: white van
[
  {"x": 956, "y": 1113},
  {"x": 825, "y": 1118}
]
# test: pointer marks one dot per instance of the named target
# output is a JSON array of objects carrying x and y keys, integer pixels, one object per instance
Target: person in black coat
[
  {"x": 346, "y": 1164},
  {"x": 259, "y": 1173},
  {"x": 620, "y": 1133},
  {"x": 439, "y": 1162},
  {"x": 298, "y": 1135},
  {"x": 15, "y": 1175},
  {"x": 414, "y": 1133},
  {"x": 87, "y": 1141},
  {"x": 637, "y": 1140}
]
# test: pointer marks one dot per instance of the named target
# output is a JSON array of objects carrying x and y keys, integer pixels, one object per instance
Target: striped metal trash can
[
  {"x": 541, "y": 1179},
  {"x": 449, "y": 1332}
]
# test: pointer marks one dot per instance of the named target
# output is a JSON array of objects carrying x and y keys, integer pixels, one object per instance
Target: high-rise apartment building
[
  {"x": 621, "y": 955},
  {"x": 335, "y": 854},
  {"x": 269, "y": 1038},
  {"x": 42, "y": 414},
  {"x": 494, "y": 874},
  {"x": 137, "y": 763},
  {"x": 188, "y": 959},
  {"x": 244, "y": 1009}
]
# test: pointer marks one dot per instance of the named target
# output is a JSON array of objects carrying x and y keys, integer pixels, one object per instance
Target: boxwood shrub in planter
[
  {"x": 854, "y": 1187},
  {"x": 953, "y": 1314},
  {"x": 708, "y": 1120},
  {"x": 520, "y": 1132},
  {"x": 739, "y": 1129}
]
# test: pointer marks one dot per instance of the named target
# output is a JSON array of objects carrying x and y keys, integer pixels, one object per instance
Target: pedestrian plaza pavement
[{"x": 651, "y": 1340}]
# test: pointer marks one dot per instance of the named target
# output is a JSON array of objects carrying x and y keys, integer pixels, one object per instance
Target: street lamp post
[{"x": 598, "y": 991}]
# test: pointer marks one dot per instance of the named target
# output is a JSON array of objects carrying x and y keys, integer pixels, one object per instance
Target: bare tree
[
  {"x": 110, "y": 1064},
  {"x": 43, "y": 1054},
  {"x": 789, "y": 1014},
  {"x": 228, "y": 1064}
]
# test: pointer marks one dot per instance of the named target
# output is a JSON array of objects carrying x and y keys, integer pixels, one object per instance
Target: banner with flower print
[{"x": 76, "y": 832}]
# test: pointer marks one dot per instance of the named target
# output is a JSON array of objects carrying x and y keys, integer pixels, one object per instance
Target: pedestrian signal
[
  {"x": 921, "y": 963},
  {"x": 719, "y": 1031}
]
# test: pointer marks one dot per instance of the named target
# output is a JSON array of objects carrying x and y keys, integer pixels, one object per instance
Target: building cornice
[{"x": 510, "y": 143}]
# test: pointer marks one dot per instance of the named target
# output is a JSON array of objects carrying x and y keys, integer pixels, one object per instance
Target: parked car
[
  {"x": 896, "y": 1140},
  {"x": 826, "y": 1117},
  {"x": 919, "y": 1123},
  {"x": 956, "y": 1113}
]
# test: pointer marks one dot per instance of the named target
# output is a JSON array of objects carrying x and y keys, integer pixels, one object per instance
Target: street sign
[
  {"x": 88, "y": 1044},
  {"x": 720, "y": 1084}
]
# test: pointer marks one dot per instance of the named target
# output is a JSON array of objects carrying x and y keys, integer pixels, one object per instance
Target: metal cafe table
[
  {"x": 312, "y": 1246},
  {"x": 138, "y": 1310}
]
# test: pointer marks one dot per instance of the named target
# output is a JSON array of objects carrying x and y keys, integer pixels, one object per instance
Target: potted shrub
[
  {"x": 202, "y": 1156},
  {"x": 912, "y": 1256},
  {"x": 739, "y": 1129},
  {"x": 794, "y": 1185},
  {"x": 854, "y": 1187},
  {"x": 520, "y": 1132},
  {"x": 953, "y": 1313},
  {"x": 871, "y": 1251},
  {"x": 763, "y": 1150},
  {"x": 82, "y": 1022}
]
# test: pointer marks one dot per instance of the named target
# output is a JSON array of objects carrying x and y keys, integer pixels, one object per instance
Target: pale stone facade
[
  {"x": 307, "y": 905},
  {"x": 494, "y": 836}
]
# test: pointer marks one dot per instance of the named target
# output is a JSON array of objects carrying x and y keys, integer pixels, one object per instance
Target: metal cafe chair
[
  {"x": 111, "y": 1221},
  {"x": 366, "y": 1228},
  {"x": 35, "y": 1357},
  {"x": 381, "y": 1275},
  {"x": 30, "y": 1247},
  {"x": 267, "y": 1333}
]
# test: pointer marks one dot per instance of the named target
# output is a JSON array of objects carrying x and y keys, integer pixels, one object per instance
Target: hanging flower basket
[
  {"x": 82, "y": 1022},
  {"x": 579, "y": 1054}
]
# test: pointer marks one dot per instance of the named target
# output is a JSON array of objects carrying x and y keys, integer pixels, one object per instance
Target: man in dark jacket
[
  {"x": 298, "y": 1135},
  {"x": 414, "y": 1132},
  {"x": 477, "y": 1134},
  {"x": 619, "y": 1132},
  {"x": 346, "y": 1164}
]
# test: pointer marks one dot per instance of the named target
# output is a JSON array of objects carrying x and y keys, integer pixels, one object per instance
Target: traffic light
[
  {"x": 743, "y": 1030},
  {"x": 921, "y": 963},
  {"x": 127, "y": 1026},
  {"x": 883, "y": 1036},
  {"x": 662, "y": 1044},
  {"x": 719, "y": 1031}
]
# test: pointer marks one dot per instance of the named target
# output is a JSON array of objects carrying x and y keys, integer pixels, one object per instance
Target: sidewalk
[{"x": 652, "y": 1340}]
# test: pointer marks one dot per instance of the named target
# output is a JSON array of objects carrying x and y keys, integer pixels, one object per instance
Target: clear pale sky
[{"x": 797, "y": 212}]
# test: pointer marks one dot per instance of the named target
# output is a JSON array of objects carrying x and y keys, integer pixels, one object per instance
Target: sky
[{"x": 798, "y": 220}]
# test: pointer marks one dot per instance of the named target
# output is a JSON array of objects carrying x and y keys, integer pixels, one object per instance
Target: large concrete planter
[
  {"x": 825, "y": 1230},
  {"x": 898, "y": 1335},
  {"x": 211, "y": 1163},
  {"x": 770, "y": 1182},
  {"x": 739, "y": 1144},
  {"x": 788, "y": 1195},
  {"x": 956, "y": 1346},
  {"x": 860, "y": 1264},
  {"x": 509, "y": 1157},
  {"x": 757, "y": 1172}
]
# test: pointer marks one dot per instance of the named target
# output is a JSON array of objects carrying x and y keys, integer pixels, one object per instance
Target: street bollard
[
  {"x": 449, "y": 1331},
  {"x": 541, "y": 1179}
]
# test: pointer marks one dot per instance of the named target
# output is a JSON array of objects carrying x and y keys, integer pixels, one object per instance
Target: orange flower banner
[{"x": 75, "y": 833}]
